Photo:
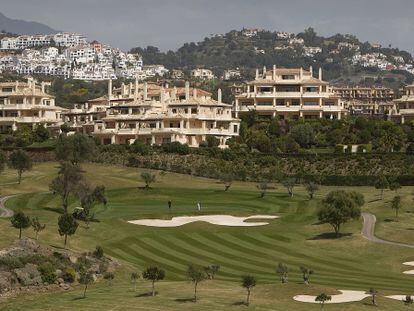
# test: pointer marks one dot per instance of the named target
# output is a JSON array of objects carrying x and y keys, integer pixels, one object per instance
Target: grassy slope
[{"x": 350, "y": 262}]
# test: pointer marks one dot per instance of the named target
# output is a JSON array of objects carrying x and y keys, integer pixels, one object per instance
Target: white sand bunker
[
  {"x": 409, "y": 263},
  {"x": 221, "y": 220},
  {"x": 345, "y": 296},
  {"x": 398, "y": 297}
]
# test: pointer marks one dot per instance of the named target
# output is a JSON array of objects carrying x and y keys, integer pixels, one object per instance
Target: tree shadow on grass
[
  {"x": 54, "y": 209},
  {"x": 239, "y": 303},
  {"x": 389, "y": 220},
  {"x": 147, "y": 294},
  {"x": 78, "y": 298},
  {"x": 184, "y": 300},
  {"x": 329, "y": 236}
]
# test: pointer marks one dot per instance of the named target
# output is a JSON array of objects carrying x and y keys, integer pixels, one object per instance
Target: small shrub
[
  {"x": 48, "y": 272},
  {"x": 69, "y": 275},
  {"x": 98, "y": 253},
  {"x": 11, "y": 263},
  {"x": 103, "y": 267}
]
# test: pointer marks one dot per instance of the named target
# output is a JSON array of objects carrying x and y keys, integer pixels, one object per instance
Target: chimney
[
  {"x": 162, "y": 97},
  {"x": 174, "y": 93},
  {"x": 301, "y": 73},
  {"x": 320, "y": 73},
  {"x": 109, "y": 89},
  {"x": 122, "y": 89},
  {"x": 311, "y": 71},
  {"x": 219, "y": 96},
  {"x": 136, "y": 89},
  {"x": 257, "y": 74},
  {"x": 274, "y": 72},
  {"x": 130, "y": 89},
  {"x": 43, "y": 86},
  {"x": 264, "y": 71},
  {"x": 194, "y": 92},
  {"x": 187, "y": 90},
  {"x": 145, "y": 91},
  {"x": 33, "y": 86}
]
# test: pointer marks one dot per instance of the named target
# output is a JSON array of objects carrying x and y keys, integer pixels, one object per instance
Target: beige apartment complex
[
  {"x": 155, "y": 115},
  {"x": 289, "y": 94},
  {"x": 27, "y": 104},
  {"x": 403, "y": 110},
  {"x": 366, "y": 100}
]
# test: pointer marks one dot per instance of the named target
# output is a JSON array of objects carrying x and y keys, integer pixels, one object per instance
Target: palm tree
[
  {"x": 408, "y": 300},
  {"x": 306, "y": 273},
  {"x": 373, "y": 292},
  {"x": 248, "y": 282},
  {"x": 134, "y": 278},
  {"x": 283, "y": 271}
]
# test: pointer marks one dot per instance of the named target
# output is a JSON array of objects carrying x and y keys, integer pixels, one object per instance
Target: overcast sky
[{"x": 169, "y": 23}]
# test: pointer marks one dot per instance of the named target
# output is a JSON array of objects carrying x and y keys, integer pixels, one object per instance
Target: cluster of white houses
[{"x": 159, "y": 114}]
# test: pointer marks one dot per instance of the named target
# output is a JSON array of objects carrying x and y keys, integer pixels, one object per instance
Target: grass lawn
[{"x": 295, "y": 239}]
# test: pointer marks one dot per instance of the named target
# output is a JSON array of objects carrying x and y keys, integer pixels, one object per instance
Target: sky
[{"x": 168, "y": 24}]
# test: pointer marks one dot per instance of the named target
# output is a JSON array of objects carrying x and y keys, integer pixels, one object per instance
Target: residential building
[
  {"x": 27, "y": 104},
  {"x": 155, "y": 115},
  {"x": 231, "y": 74},
  {"x": 289, "y": 94},
  {"x": 366, "y": 100},
  {"x": 202, "y": 74},
  {"x": 403, "y": 110}
]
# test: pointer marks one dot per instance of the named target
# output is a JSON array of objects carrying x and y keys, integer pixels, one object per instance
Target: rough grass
[{"x": 296, "y": 239}]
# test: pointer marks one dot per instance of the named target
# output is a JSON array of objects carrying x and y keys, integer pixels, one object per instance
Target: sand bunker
[
  {"x": 398, "y": 297},
  {"x": 221, "y": 220},
  {"x": 409, "y": 263},
  {"x": 345, "y": 296}
]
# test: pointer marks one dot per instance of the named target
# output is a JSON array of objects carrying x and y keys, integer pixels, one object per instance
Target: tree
[
  {"x": 75, "y": 148},
  {"x": 311, "y": 188},
  {"x": 382, "y": 184},
  {"x": 227, "y": 180},
  {"x": 283, "y": 271},
  {"x": 2, "y": 160},
  {"x": 306, "y": 273},
  {"x": 303, "y": 134},
  {"x": 395, "y": 186},
  {"x": 373, "y": 292},
  {"x": 289, "y": 184},
  {"x": 148, "y": 179},
  {"x": 212, "y": 270},
  {"x": 66, "y": 183},
  {"x": 339, "y": 207},
  {"x": 196, "y": 275},
  {"x": 109, "y": 276},
  {"x": 85, "y": 278},
  {"x": 134, "y": 279},
  {"x": 67, "y": 225},
  {"x": 248, "y": 282},
  {"x": 88, "y": 197},
  {"x": 20, "y": 221},
  {"x": 408, "y": 300},
  {"x": 263, "y": 186},
  {"x": 396, "y": 204},
  {"x": 37, "y": 226},
  {"x": 153, "y": 274},
  {"x": 20, "y": 161},
  {"x": 322, "y": 298},
  {"x": 41, "y": 133}
]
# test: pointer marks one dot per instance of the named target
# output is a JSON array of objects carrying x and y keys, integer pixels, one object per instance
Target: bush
[
  {"x": 98, "y": 252},
  {"x": 11, "y": 263},
  {"x": 176, "y": 147},
  {"x": 140, "y": 148},
  {"x": 339, "y": 149},
  {"x": 69, "y": 275},
  {"x": 47, "y": 271}
]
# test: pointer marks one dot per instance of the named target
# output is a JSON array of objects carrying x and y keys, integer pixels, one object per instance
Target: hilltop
[
  {"x": 344, "y": 58},
  {"x": 18, "y": 26}
]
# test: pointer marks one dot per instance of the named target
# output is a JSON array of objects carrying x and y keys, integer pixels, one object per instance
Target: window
[
  {"x": 174, "y": 111},
  {"x": 288, "y": 77},
  {"x": 7, "y": 89},
  {"x": 307, "y": 103},
  {"x": 193, "y": 110},
  {"x": 19, "y": 101},
  {"x": 268, "y": 103},
  {"x": 311, "y": 89},
  {"x": 235, "y": 128}
]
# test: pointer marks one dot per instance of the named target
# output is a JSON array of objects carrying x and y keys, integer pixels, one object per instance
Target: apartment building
[
  {"x": 156, "y": 115},
  {"x": 289, "y": 94},
  {"x": 403, "y": 110},
  {"x": 366, "y": 100},
  {"x": 27, "y": 41},
  {"x": 27, "y": 104}
]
